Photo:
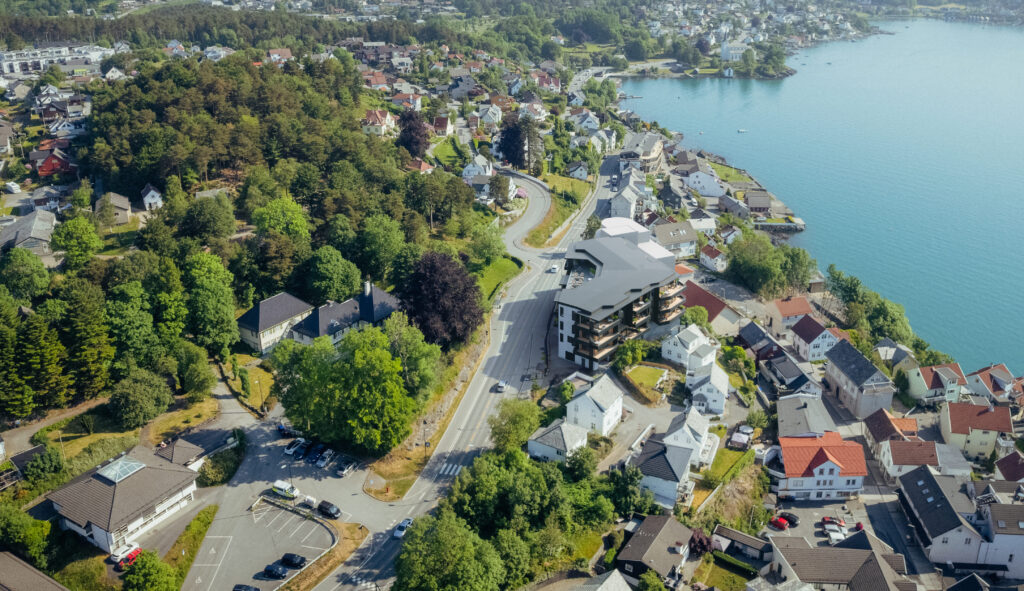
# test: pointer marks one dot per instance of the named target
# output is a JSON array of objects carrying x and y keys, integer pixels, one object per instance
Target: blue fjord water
[{"x": 904, "y": 155}]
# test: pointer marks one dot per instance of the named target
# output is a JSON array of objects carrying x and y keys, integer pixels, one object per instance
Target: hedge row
[
  {"x": 733, "y": 564},
  {"x": 743, "y": 462}
]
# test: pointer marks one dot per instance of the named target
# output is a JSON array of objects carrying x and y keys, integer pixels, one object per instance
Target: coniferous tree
[
  {"x": 16, "y": 399},
  {"x": 87, "y": 337},
  {"x": 41, "y": 358}
]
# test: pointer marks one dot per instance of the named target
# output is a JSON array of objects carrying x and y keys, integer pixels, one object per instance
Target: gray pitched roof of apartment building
[
  {"x": 938, "y": 507},
  {"x": 802, "y": 414},
  {"x": 273, "y": 311},
  {"x": 336, "y": 316},
  {"x": 851, "y": 362}
]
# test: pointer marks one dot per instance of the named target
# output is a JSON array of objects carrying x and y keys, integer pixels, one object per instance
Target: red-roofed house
[
  {"x": 712, "y": 258},
  {"x": 724, "y": 320},
  {"x": 279, "y": 56},
  {"x": 443, "y": 126},
  {"x": 378, "y": 122},
  {"x": 685, "y": 273},
  {"x": 787, "y": 312},
  {"x": 936, "y": 383},
  {"x": 899, "y": 457},
  {"x": 1011, "y": 467},
  {"x": 376, "y": 80},
  {"x": 811, "y": 339},
  {"x": 823, "y": 467},
  {"x": 418, "y": 165},
  {"x": 994, "y": 382},
  {"x": 977, "y": 429},
  {"x": 408, "y": 101}
]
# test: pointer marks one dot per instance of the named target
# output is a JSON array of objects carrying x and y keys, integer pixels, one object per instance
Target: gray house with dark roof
[
  {"x": 665, "y": 468},
  {"x": 861, "y": 562},
  {"x": 860, "y": 386},
  {"x": 556, "y": 442},
  {"x": 32, "y": 232},
  {"x": 660, "y": 544},
  {"x": 266, "y": 323},
  {"x": 370, "y": 308},
  {"x": 113, "y": 505},
  {"x": 943, "y": 515}
]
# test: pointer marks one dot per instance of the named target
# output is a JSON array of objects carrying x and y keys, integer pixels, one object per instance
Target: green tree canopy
[
  {"x": 24, "y": 274},
  {"x": 139, "y": 398},
  {"x": 515, "y": 421},
  {"x": 329, "y": 276},
  {"x": 211, "y": 303},
  {"x": 78, "y": 239},
  {"x": 283, "y": 215},
  {"x": 442, "y": 554},
  {"x": 149, "y": 573}
]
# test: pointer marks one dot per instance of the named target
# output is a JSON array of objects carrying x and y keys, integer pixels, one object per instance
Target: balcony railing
[
  {"x": 600, "y": 326},
  {"x": 638, "y": 320},
  {"x": 641, "y": 305},
  {"x": 669, "y": 315},
  {"x": 670, "y": 303},
  {"x": 596, "y": 353},
  {"x": 596, "y": 340},
  {"x": 670, "y": 290}
]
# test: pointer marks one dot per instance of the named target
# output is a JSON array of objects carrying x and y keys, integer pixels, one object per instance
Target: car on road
[
  {"x": 325, "y": 458},
  {"x": 302, "y": 450},
  {"x": 129, "y": 559},
  {"x": 345, "y": 466},
  {"x": 275, "y": 571},
  {"x": 293, "y": 560},
  {"x": 403, "y": 527},
  {"x": 241, "y": 587},
  {"x": 790, "y": 518},
  {"x": 780, "y": 524},
  {"x": 502, "y": 386},
  {"x": 285, "y": 489},
  {"x": 553, "y": 269},
  {"x": 294, "y": 445},
  {"x": 328, "y": 509},
  {"x": 315, "y": 453},
  {"x": 836, "y": 520}
]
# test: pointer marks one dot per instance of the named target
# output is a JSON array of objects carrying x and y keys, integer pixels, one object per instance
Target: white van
[{"x": 284, "y": 489}]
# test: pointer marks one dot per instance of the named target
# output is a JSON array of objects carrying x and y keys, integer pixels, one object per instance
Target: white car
[
  {"x": 294, "y": 445},
  {"x": 553, "y": 269},
  {"x": 834, "y": 538},
  {"x": 502, "y": 386},
  {"x": 402, "y": 527},
  {"x": 122, "y": 553},
  {"x": 832, "y": 528}
]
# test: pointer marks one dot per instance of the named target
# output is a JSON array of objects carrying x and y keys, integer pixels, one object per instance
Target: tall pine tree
[
  {"x": 87, "y": 337},
  {"x": 16, "y": 399},
  {"x": 41, "y": 358}
]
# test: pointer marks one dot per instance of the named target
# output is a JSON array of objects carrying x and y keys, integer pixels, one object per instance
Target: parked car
[
  {"x": 402, "y": 527},
  {"x": 790, "y": 518},
  {"x": 119, "y": 556},
  {"x": 129, "y": 559},
  {"x": 833, "y": 528},
  {"x": 834, "y": 538},
  {"x": 325, "y": 458},
  {"x": 241, "y": 587},
  {"x": 302, "y": 450},
  {"x": 275, "y": 571},
  {"x": 780, "y": 524},
  {"x": 315, "y": 453},
  {"x": 553, "y": 269},
  {"x": 285, "y": 489},
  {"x": 345, "y": 466},
  {"x": 836, "y": 520},
  {"x": 329, "y": 509},
  {"x": 502, "y": 386},
  {"x": 293, "y": 560},
  {"x": 294, "y": 445}
]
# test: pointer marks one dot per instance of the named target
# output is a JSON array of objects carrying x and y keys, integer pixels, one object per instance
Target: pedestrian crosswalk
[{"x": 450, "y": 469}]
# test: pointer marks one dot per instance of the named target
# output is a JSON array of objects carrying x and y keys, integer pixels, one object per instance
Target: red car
[
  {"x": 129, "y": 559},
  {"x": 836, "y": 520},
  {"x": 780, "y": 523}
]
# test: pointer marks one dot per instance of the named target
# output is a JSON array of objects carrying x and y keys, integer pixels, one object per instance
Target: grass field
[
  {"x": 445, "y": 154},
  {"x": 120, "y": 238},
  {"x": 183, "y": 552},
  {"x": 495, "y": 275},
  {"x": 564, "y": 183},
  {"x": 587, "y": 49},
  {"x": 700, "y": 494},
  {"x": 560, "y": 210},
  {"x": 646, "y": 376},
  {"x": 730, "y": 174},
  {"x": 75, "y": 437},
  {"x": 724, "y": 459},
  {"x": 260, "y": 380},
  {"x": 717, "y": 577},
  {"x": 171, "y": 423}
]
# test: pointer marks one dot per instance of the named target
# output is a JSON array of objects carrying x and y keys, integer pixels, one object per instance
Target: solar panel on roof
[{"x": 120, "y": 469}]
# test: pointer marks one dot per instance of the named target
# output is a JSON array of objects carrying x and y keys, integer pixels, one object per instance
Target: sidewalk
[{"x": 17, "y": 440}]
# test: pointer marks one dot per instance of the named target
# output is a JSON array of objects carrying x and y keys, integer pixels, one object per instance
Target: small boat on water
[
  {"x": 741, "y": 131},
  {"x": 701, "y": 132}
]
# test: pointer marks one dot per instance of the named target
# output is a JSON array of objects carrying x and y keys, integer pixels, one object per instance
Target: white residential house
[
  {"x": 556, "y": 442},
  {"x": 705, "y": 225},
  {"x": 860, "y": 386},
  {"x": 995, "y": 382},
  {"x": 113, "y": 75},
  {"x": 713, "y": 259},
  {"x": 270, "y": 320},
  {"x": 625, "y": 203},
  {"x": 597, "y": 407},
  {"x": 733, "y": 51},
  {"x": 679, "y": 238},
  {"x": 709, "y": 386},
  {"x": 689, "y": 347},
  {"x": 479, "y": 166},
  {"x": 584, "y": 120},
  {"x": 578, "y": 171},
  {"x": 490, "y": 117},
  {"x": 937, "y": 383},
  {"x": 814, "y": 468},
  {"x": 665, "y": 468},
  {"x": 152, "y": 198},
  {"x": 812, "y": 340},
  {"x": 898, "y": 457},
  {"x": 691, "y": 430},
  {"x": 704, "y": 181}
]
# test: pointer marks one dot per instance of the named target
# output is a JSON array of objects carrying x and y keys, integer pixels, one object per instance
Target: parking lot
[
  {"x": 229, "y": 560},
  {"x": 811, "y": 514}
]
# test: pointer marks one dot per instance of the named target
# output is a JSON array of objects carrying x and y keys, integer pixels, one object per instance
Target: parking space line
[
  {"x": 221, "y": 561},
  {"x": 286, "y": 522},
  {"x": 279, "y": 513},
  {"x": 300, "y": 527},
  {"x": 313, "y": 548},
  {"x": 307, "y": 535}
]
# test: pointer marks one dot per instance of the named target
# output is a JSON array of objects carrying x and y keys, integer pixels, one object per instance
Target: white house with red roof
[
  {"x": 936, "y": 383},
  {"x": 378, "y": 122},
  {"x": 408, "y": 101},
  {"x": 786, "y": 312},
  {"x": 723, "y": 318},
  {"x": 713, "y": 259},
  {"x": 995, "y": 382},
  {"x": 815, "y": 468},
  {"x": 811, "y": 339},
  {"x": 976, "y": 429}
]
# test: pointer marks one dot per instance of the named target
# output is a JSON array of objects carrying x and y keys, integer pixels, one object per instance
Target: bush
[
  {"x": 44, "y": 465},
  {"x": 23, "y": 534},
  {"x": 220, "y": 467},
  {"x": 139, "y": 398},
  {"x": 733, "y": 564},
  {"x": 743, "y": 462}
]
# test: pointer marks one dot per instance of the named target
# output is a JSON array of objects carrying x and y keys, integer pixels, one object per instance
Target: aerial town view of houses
[{"x": 387, "y": 311}]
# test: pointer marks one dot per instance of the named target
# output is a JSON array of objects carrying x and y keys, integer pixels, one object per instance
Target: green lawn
[
  {"x": 717, "y": 577},
  {"x": 445, "y": 154},
  {"x": 559, "y": 211},
  {"x": 492, "y": 277},
  {"x": 120, "y": 238},
  {"x": 184, "y": 550},
  {"x": 730, "y": 174},
  {"x": 724, "y": 459},
  {"x": 646, "y": 376},
  {"x": 564, "y": 183}
]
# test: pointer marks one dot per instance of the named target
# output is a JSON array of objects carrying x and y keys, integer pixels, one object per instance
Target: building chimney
[{"x": 366, "y": 288}]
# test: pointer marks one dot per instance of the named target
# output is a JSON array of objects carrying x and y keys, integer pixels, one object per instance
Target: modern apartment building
[{"x": 615, "y": 285}]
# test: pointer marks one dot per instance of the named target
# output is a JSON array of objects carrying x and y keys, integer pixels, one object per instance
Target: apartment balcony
[
  {"x": 638, "y": 320},
  {"x": 601, "y": 326},
  {"x": 596, "y": 353},
  {"x": 596, "y": 340},
  {"x": 638, "y": 306},
  {"x": 632, "y": 332},
  {"x": 669, "y": 315},
  {"x": 675, "y": 288},
  {"x": 669, "y": 304}
]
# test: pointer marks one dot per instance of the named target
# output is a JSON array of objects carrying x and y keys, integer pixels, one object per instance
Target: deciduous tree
[
  {"x": 413, "y": 135},
  {"x": 195, "y": 376},
  {"x": 149, "y": 573},
  {"x": 443, "y": 300},
  {"x": 419, "y": 359},
  {"x": 283, "y": 215},
  {"x": 329, "y": 276},
  {"x": 377, "y": 245},
  {"x": 515, "y": 421},
  {"x": 24, "y": 274},
  {"x": 443, "y": 554},
  {"x": 78, "y": 239},
  {"x": 211, "y": 304},
  {"x": 139, "y": 398}
]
